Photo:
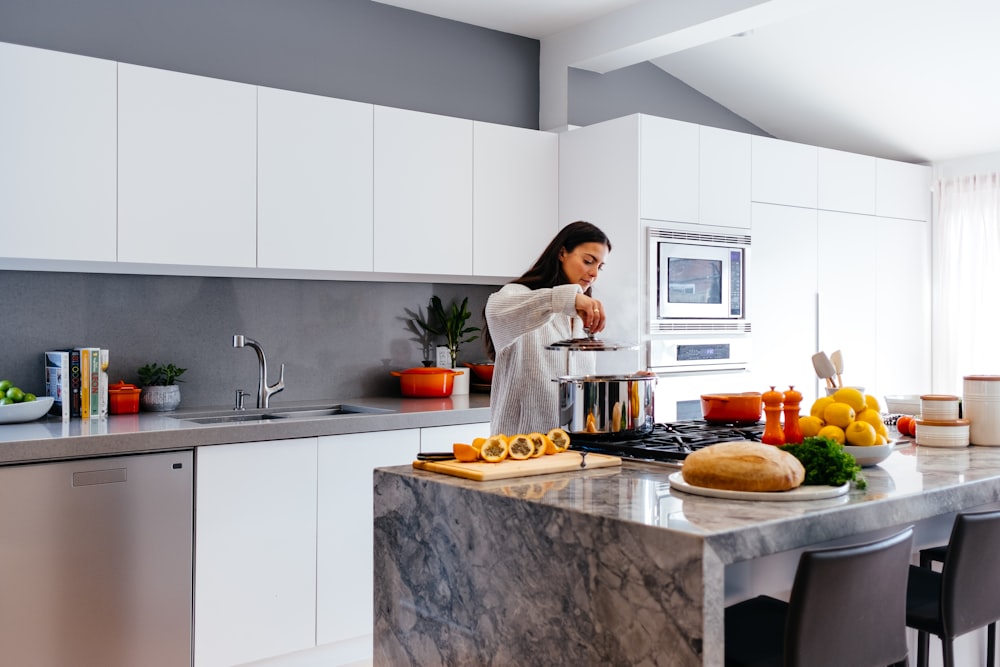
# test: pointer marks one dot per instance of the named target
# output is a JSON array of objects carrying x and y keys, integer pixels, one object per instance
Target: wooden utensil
[
  {"x": 824, "y": 368},
  {"x": 837, "y": 359}
]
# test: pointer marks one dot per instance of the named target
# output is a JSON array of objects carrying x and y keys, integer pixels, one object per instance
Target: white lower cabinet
[
  {"x": 441, "y": 438},
  {"x": 344, "y": 546},
  {"x": 255, "y": 551}
]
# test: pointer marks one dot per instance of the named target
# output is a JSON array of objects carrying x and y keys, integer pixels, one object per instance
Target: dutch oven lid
[{"x": 589, "y": 344}]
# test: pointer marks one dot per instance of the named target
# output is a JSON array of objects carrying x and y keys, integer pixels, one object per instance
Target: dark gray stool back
[{"x": 970, "y": 577}]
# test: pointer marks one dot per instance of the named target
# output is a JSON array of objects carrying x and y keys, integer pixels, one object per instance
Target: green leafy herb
[{"x": 826, "y": 462}]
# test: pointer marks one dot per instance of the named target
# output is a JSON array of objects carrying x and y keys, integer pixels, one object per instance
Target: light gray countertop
[{"x": 50, "y": 439}]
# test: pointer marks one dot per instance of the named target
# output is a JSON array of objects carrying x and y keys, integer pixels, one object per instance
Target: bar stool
[
  {"x": 965, "y": 595},
  {"x": 847, "y": 607}
]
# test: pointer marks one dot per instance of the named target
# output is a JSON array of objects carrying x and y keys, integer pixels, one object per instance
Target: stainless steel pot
[{"x": 606, "y": 406}]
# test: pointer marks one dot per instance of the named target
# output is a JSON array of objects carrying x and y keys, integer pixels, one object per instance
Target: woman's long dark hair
[{"x": 547, "y": 269}]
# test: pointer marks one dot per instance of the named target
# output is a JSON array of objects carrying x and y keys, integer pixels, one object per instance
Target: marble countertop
[
  {"x": 914, "y": 483},
  {"x": 50, "y": 439}
]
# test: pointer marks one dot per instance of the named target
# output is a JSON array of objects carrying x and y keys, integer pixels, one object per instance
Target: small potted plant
[
  {"x": 160, "y": 392},
  {"x": 451, "y": 324}
]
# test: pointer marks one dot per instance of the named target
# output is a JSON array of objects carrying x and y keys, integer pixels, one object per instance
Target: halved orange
[
  {"x": 560, "y": 439},
  {"x": 464, "y": 452},
  {"x": 494, "y": 449},
  {"x": 478, "y": 443},
  {"x": 520, "y": 447},
  {"x": 540, "y": 442}
]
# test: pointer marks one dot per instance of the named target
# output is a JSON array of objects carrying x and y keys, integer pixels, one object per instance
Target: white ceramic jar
[
  {"x": 981, "y": 406},
  {"x": 939, "y": 407},
  {"x": 942, "y": 433}
]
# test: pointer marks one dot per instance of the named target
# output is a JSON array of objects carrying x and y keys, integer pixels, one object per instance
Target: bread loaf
[{"x": 743, "y": 466}]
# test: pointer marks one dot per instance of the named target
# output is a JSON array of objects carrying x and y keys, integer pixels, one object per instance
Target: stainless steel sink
[{"x": 285, "y": 413}]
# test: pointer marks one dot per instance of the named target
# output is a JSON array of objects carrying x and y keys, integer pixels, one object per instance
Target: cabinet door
[
  {"x": 783, "y": 172},
  {"x": 57, "y": 155},
  {"x": 314, "y": 183},
  {"x": 255, "y": 550},
  {"x": 904, "y": 296},
  {"x": 903, "y": 190},
  {"x": 846, "y": 182},
  {"x": 847, "y": 256},
  {"x": 441, "y": 438},
  {"x": 515, "y": 197},
  {"x": 344, "y": 592},
  {"x": 423, "y": 193},
  {"x": 187, "y": 173},
  {"x": 781, "y": 297},
  {"x": 668, "y": 169},
  {"x": 724, "y": 170}
]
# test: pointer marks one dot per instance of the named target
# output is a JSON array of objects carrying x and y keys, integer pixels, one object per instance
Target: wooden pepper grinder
[
  {"x": 793, "y": 434},
  {"x": 773, "y": 435}
]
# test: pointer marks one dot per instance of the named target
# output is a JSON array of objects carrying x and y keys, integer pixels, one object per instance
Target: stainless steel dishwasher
[{"x": 95, "y": 561}]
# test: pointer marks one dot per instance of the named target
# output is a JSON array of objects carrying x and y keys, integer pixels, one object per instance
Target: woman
[{"x": 550, "y": 302}]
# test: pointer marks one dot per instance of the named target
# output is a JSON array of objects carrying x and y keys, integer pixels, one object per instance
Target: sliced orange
[
  {"x": 478, "y": 443},
  {"x": 464, "y": 452},
  {"x": 560, "y": 439},
  {"x": 494, "y": 449},
  {"x": 540, "y": 442},
  {"x": 520, "y": 447}
]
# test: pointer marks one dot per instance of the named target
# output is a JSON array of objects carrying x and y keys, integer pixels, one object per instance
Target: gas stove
[{"x": 669, "y": 443}]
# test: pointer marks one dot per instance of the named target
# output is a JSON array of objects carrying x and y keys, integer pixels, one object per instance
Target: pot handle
[
  {"x": 716, "y": 398},
  {"x": 396, "y": 373}
]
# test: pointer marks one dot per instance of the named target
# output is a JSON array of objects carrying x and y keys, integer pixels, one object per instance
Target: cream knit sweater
[{"x": 524, "y": 398}]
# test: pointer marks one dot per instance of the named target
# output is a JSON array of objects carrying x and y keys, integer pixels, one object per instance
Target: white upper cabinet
[
  {"x": 904, "y": 190},
  {"x": 784, "y": 172},
  {"x": 314, "y": 182},
  {"x": 515, "y": 194},
  {"x": 668, "y": 169},
  {"x": 846, "y": 182},
  {"x": 423, "y": 193},
  {"x": 724, "y": 177},
  {"x": 187, "y": 174},
  {"x": 57, "y": 155}
]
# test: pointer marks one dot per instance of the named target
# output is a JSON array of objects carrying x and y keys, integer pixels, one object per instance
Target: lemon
[
  {"x": 870, "y": 416},
  {"x": 851, "y": 396},
  {"x": 832, "y": 432},
  {"x": 838, "y": 414},
  {"x": 882, "y": 430},
  {"x": 872, "y": 403},
  {"x": 880, "y": 439},
  {"x": 810, "y": 426},
  {"x": 819, "y": 405},
  {"x": 860, "y": 434}
]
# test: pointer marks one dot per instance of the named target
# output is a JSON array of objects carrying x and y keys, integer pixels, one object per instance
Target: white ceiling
[{"x": 904, "y": 79}]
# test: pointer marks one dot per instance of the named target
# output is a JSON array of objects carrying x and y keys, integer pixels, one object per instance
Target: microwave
[{"x": 697, "y": 279}]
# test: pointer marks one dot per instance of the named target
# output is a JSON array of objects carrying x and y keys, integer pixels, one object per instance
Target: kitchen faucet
[{"x": 263, "y": 391}]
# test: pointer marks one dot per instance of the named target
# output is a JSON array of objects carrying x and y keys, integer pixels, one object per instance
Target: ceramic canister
[
  {"x": 943, "y": 433},
  {"x": 940, "y": 407},
  {"x": 981, "y": 406}
]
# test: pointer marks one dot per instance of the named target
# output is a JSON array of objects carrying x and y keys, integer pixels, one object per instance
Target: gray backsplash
[{"x": 337, "y": 339}]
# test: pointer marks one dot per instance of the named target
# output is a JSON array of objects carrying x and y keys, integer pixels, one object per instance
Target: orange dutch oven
[{"x": 426, "y": 382}]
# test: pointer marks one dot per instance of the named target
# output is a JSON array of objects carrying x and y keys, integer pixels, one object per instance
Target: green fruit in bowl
[
  {"x": 6, "y": 401},
  {"x": 29, "y": 397},
  {"x": 5, "y": 385},
  {"x": 15, "y": 394}
]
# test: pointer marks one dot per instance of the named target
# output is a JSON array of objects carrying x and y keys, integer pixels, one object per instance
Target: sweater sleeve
[{"x": 516, "y": 310}]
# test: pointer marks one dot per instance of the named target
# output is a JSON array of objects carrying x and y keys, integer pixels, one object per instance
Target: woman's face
[{"x": 582, "y": 264}]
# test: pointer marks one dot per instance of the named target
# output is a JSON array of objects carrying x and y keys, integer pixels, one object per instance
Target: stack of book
[{"x": 78, "y": 381}]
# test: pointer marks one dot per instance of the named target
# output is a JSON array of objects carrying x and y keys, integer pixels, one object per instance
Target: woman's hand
[{"x": 591, "y": 312}]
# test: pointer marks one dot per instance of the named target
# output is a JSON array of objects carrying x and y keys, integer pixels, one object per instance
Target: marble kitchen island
[{"x": 609, "y": 566}]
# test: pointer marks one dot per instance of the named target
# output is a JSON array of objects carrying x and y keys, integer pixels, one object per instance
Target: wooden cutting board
[{"x": 482, "y": 471}]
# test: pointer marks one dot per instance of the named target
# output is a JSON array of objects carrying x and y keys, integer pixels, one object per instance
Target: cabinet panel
[
  {"x": 57, "y": 155},
  {"x": 515, "y": 197},
  {"x": 314, "y": 185},
  {"x": 668, "y": 169},
  {"x": 782, "y": 297},
  {"x": 846, "y": 182},
  {"x": 903, "y": 190},
  {"x": 187, "y": 173},
  {"x": 848, "y": 287},
  {"x": 345, "y": 570},
  {"x": 423, "y": 193},
  {"x": 784, "y": 172},
  {"x": 255, "y": 550},
  {"x": 441, "y": 438},
  {"x": 724, "y": 176}
]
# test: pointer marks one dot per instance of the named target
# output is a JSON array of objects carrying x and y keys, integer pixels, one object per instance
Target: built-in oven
[{"x": 697, "y": 279}]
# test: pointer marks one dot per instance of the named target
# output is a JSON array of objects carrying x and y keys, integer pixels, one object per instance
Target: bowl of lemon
[
  {"x": 854, "y": 419},
  {"x": 870, "y": 456}
]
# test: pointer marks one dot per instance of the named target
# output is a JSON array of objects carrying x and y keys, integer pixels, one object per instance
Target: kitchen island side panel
[{"x": 470, "y": 573}]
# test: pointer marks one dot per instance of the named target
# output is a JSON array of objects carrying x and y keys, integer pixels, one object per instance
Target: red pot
[
  {"x": 483, "y": 372},
  {"x": 426, "y": 382},
  {"x": 732, "y": 408}
]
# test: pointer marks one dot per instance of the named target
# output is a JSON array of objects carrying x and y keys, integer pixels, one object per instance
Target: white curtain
[{"x": 965, "y": 275}]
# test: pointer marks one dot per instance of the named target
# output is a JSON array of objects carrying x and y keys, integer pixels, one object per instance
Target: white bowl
[
  {"x": 902, "y": 404},
  {"x": 830, "y": 391},
  {"x": 870, "y": 456},
  {"x": 25, "y": 412}
]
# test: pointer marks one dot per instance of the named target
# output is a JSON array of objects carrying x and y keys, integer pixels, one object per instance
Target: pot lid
[{"x": 589, "y": 344}]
